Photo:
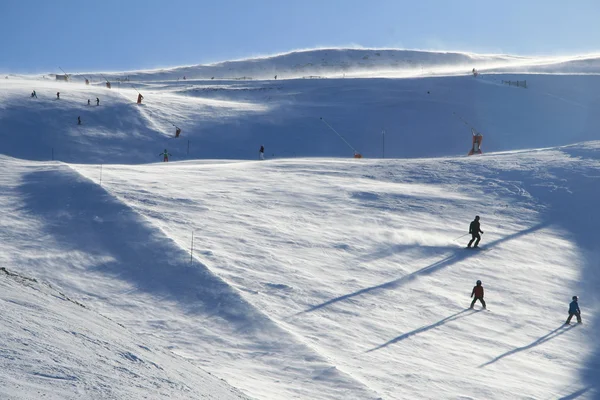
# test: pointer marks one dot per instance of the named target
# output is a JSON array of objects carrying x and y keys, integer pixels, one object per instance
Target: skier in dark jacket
[
  {"x": 475, "y": 230},
  {"x": 261, "y": 153},
  {"x": 177, "y": 132},
  {"x": 477, "y": 294},
  {"x": 165, "y": 155},
  {"x": 78, "y": 120},
  {"x": 88, "y": 102},
  {"x": 574, "y": 310},
  {"x": 97, "y": 101},
  {"x": 57, "y": 95}
]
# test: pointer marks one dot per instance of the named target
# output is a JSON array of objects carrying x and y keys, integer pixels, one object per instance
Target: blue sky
[{"x": 40, "y": 35}]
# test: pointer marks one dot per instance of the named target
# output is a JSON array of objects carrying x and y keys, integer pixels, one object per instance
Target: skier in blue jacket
[{"x": 574, "y": 310}]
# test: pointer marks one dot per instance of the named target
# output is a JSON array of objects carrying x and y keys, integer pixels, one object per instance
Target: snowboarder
[
  {"x": 97, "y": 101},
  {"x": 574, "y": 310},
  {"x": 88, "y": 102},
  {"x": 34, "y": 94},
  {"x": 475, "y": 230},
  {"x": 165, "y": 155},
  {"x": 57, "y": 95},
  {"x": 78, "y": 120},
  {"x": 177, "y": 132},
  {"x": 477, "y": 294},
  {"x": 261, "y": 153}
]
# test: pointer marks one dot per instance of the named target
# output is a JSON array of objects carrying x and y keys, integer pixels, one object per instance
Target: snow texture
[{"x": 303, "y": 276}]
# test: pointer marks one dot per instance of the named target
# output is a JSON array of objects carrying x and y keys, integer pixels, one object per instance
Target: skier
[
  {"x": 140, "y": 98},
  {"x": 88, "y": 102},
  {"x": 478, "y": 295},
  {"x": 574, "y": 310},
  {"x": 165, "y": 155},
  {"x": 261, "y": 153},
  {"x": 97, "y": 101},
  {"x": 475, "y": 230},
  {"x": 34, "y": 94},
  {"x": 57, "y": 95},
  {"x": 177, "y": 132},
  {"x": 78, "y": 120}
]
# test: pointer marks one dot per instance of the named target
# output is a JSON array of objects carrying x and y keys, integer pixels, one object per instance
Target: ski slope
[{"x": 304, "y": 276}]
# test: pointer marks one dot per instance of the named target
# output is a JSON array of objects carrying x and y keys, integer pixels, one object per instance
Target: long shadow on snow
[
  {"x": 549, "y": 336},
  {"x": 459, "y": 255},
  {"x": 387, "y": 251},
  {"x": 572, "y": 196},
  {"x": 453, "y": 317},
  {"x": 82, "y": 216},
  {"x": 575, "y": 394}
]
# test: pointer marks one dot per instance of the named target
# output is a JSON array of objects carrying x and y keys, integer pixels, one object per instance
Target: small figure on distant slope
[
  {"x": 140, "y": 98},
  {"x": 477, "y": 294},
  {"x": 97, "y": 101},
  {"x": 475, "y": 230},
  {"x": 261, "y": 153},
  {"x": 34, "y": 94},
  {"x": 165, "y": 155},
  {"x": 78, "y": 120},
  {"x": 57, "y": 95},
  {"x": 574, "y": 310},
  {"x": 88, "y": 102},
  {"x": 177, "y": 132}
]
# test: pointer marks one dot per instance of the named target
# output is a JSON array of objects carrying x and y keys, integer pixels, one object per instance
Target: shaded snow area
[
  {"x": 230, "y": 120},
  {"x": 364, "y": 262},
  {"x": 56, "y": 347},
  {"x": 305, "y": 276}
]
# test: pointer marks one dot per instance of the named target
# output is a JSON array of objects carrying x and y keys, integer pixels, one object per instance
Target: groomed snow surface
[{"x": 220, "y": 277}]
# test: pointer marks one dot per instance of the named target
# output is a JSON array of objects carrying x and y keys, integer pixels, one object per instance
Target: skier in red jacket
[{"x": 477, "y": 294}]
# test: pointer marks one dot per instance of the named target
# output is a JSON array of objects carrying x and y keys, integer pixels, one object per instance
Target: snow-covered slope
[
  {"x": 309, "y": 278},
  {"x": 55, "y": 346},
  {"x": 365, "y": 263},
  {"x": 232, "y": 119}
]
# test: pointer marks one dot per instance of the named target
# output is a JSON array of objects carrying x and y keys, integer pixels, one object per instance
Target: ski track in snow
[{"x": 310, "y": 278}]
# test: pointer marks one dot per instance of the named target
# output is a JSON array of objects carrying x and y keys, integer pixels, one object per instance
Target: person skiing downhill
[
  {"x": 57, "y": 95},
  {"x": 475, "y": 230},
  {"x": 88, "y": 102},
  {"x": 97, "y": 101},
  {"x": 165, "y": 155},
  {"x": 477, "y": 294},
  {"x": 177, "y": 132},
  {"x": 261, "y": 153},
  {"x": 78, "y": 120},
  {"x": 574, "y": 310},
  {"x": 34, "y": 94}
]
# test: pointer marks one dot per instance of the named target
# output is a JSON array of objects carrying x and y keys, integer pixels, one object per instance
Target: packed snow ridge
[{"x": 313, "y": 274}]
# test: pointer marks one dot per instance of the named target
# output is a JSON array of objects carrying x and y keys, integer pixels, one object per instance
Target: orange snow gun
[
  {"x": 140, "y": 97},
  {"x": 477, "y": 139}
]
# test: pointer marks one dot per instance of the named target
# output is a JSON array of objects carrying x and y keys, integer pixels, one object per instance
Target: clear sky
[{"x": 41, "y": 35}]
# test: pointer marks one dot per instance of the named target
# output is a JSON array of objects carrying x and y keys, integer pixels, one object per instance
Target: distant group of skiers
[{"x": 477, "y": 293}]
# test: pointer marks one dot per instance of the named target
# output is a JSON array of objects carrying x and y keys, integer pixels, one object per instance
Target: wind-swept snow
[
  {"x": 308, "y": 278},
  {"x": 365, "y": 261}
]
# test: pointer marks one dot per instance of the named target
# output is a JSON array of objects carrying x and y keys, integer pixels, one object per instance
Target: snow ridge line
[{"x": 277, "y": 324}]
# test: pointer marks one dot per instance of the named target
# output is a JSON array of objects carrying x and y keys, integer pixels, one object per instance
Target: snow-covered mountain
[
  {"x": 305, "y": 276},
  {"x": 362, "y": 62}
]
